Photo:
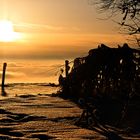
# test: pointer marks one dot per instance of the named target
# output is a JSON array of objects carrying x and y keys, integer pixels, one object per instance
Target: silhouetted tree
[{"x": 130, "y": 11}]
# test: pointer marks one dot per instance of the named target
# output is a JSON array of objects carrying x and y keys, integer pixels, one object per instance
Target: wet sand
[{"x": 42, "y": 117}]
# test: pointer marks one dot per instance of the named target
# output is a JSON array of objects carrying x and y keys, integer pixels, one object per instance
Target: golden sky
[{"x": 55, "y": 28}]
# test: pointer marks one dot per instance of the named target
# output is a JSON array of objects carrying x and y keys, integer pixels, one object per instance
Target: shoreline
[{"x": 16, "y": 89}]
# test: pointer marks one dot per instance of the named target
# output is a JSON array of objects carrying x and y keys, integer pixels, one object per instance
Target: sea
[{"x": 31, "y": 76}]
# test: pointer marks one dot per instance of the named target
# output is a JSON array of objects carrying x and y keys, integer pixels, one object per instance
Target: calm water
[
  {"x": 31, "y": 76},
  {"x": 15, "y": 89}
]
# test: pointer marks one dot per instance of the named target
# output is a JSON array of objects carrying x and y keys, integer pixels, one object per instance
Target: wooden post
[
  {"x": 66, "y": 67},
  {"x": 3, "y": 79}
]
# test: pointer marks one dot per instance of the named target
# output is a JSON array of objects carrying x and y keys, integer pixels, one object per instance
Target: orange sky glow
[{"x": 54, "y": 29}]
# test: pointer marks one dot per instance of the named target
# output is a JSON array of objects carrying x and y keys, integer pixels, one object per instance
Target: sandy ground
[{"x": 44, "y": 117}]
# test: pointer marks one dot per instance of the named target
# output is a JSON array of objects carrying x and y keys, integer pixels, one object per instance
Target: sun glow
[{"x": 7, "y": 33}]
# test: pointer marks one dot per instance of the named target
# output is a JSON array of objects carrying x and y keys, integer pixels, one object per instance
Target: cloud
[
  {"x": 11, "y": 74},
  {"x": 31, "y": 27},
  {"x": 32, "y": 71},
  {"x": 14, "y": 65}
]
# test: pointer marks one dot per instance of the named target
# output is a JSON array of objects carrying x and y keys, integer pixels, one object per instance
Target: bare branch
[{"x": 130, "y": 9}]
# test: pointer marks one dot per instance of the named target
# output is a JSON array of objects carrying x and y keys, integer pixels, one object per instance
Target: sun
[{"x": 7, "y": 33}]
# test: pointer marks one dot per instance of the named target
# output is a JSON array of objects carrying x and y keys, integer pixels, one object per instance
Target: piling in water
[
  {"x": 66, "y": 67},
  {"x": 3, "y": 79}
]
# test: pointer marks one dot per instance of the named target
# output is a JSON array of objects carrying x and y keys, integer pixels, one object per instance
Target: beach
[
  {"x": 70, "y": 70},
  {"x": 41, "y": 116}
]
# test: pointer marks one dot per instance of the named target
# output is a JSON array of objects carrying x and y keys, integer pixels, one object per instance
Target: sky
[{"x": 56, "y": 29}]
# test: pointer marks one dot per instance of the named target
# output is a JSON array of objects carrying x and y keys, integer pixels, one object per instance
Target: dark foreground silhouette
[{"x": 105, "y": 84}]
